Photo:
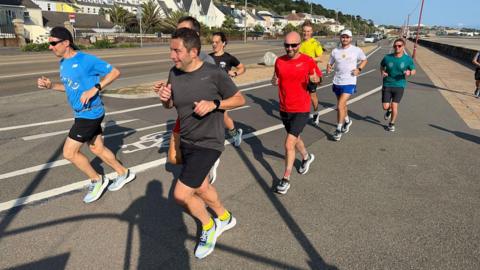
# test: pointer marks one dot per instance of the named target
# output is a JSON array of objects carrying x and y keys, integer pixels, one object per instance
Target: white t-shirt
[{"x": 345, "y": 61}]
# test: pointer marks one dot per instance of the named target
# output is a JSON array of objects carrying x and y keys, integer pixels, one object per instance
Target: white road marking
[{"x": 139, "y": 168}]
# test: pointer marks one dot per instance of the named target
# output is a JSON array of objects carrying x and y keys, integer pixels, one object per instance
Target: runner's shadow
[
  {"x": 268, "y": 107},
  {"x": 462, "y": 135},
  {"x": 114, "y": 143},
  {"x": 441, "y": 88},
  {"x": 52, "y": 263},
  {"x": 162, "y": 231}
]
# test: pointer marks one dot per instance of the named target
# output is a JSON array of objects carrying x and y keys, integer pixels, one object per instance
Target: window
[
  {"x": 48, "y": 7},
  {"x": 88, "y": 10}
]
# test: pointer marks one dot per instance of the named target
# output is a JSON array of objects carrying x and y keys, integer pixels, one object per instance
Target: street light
[
  {"x": 418, "y": 32},
  {"x": 245, "y": 24}
]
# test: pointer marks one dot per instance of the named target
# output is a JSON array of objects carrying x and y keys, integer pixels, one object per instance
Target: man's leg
[
  {"x": 477, "y": 87},
  {"x": 98, "y": 148},
  {"x": 71, "y": 152},
  {"x": 185, "y": 196},
  {"x": 314, "y": 99},
  {"x": 342, "y": 109},
  {"x": 236, "y": 134},
  {"x": 290, "y": 144},
  {"x": 394, "y": 112}
]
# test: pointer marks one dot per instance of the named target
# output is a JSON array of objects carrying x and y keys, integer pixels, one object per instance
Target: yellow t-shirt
[{"x": 311, "y": 47}]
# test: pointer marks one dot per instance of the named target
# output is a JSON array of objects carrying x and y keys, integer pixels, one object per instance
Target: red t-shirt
[{"x": 293, "y": 77}]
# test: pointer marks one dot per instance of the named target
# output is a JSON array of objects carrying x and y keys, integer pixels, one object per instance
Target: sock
[
  {"x": 339, "y": 126},
  {"x": 208, "y": 226},
  {"x": 224, "y": 216},
  {"x": 232, "y": 132},
  {"x": 306, "y": 156},
  {"x": 347, "y": 119}
]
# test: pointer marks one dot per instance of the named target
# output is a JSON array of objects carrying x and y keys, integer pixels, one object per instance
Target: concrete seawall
[{"x": 463, "y": 54}]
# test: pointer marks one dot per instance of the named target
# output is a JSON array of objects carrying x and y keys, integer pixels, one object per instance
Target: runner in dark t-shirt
[
  {"x": 226, "y": 61},
  {"x": 476, "y": 62},
  {"x": 198, "y": 90}
]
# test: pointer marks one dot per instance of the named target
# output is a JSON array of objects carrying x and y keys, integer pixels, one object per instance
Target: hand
[
  {"x": 165, "y": 92},
  {"x": 44, "y": 83},
  {"x": 314, "y": 77},
  {"x": 87, "y": 95},
  {"x": 356, "y": 72},
  {"x": 329, "y": 69},
  {"x": 157, "y": 86},
  {"x": 384, "y": 74},
  {"x": 274, "y": 80},
  {"x": 232, "y": 74},
  {"x": 203, "y": 107},
  {"x": 407, "y": 72}
]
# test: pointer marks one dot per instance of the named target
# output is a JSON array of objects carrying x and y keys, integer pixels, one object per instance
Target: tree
[
  {"x": 258, "y": 28},
  {"x": 169, "y": 24},
  {"x": 121, "y": 17},
  {"x": 150, "y": 16},
  {"x": 289, "y": 28},
  {"x": 228, "y": 23}
]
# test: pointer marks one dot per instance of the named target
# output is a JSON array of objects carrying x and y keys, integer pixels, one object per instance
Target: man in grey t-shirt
[{"x": 198, "y": 90}]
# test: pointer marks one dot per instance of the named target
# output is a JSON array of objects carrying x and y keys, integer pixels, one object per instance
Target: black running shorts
[
  {"x": 294, "y": 122},
  {"x": 477, "y": 74},
  {"x": 84, "y": 130},
  {"x": 392, "y": 94},
  {"x": 197, "y": 162}
]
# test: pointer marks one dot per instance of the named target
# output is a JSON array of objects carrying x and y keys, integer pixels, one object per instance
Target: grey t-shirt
[
  {"x": 206, "y": 83},
  {"x": 206, "y": 58}
]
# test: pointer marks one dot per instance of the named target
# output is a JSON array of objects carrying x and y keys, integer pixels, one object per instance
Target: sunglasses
[
  {"x": 54, "y": 43},
  {"x": 292, "y": 45},
  {"x": 397, "y": 46}
]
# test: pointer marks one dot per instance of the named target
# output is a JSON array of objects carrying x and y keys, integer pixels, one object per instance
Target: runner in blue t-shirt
[
  {"x": 82, "y": 77},
  {"x": 395, "y": 68}
]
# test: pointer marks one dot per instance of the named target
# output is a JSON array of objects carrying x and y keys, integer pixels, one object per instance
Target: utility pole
[
  {"x": 418, "y": 31},
  {"x": 311, "y": 12},
  {"x": 245, "y": 24},
  {"x": 408, "y": 28},
  {"x": 139, "y": 18}
]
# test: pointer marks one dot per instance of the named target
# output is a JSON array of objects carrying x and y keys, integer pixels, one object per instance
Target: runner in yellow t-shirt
[{"x": 311, "y": 47}]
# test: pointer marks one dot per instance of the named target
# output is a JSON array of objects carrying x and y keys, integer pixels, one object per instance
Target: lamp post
[
  {"x": 245, "y": 24},
  {"x": 418, "y": 32},
  {"x": 139, "y": 18}
]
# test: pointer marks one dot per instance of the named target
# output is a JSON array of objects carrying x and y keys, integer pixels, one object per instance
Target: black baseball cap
[{"x": 63, "y": 34}]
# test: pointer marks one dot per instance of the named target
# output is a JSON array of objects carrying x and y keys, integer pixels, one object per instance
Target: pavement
[{"x": 374, "y": 200}]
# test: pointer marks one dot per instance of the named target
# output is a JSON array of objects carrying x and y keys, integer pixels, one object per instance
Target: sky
[{"x": 454, "y": 13}]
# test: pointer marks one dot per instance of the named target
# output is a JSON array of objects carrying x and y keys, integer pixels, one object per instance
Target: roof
[
  {"x": 205, "y": 4},
  {"x": 295, "y": 16},
  {"x": 86, "y": 3},
  {"x": 25, "y": 3},
  {"x": 255, "y": 16},
  {"x": 228, "y": 12},
  {"x": 187, "y": 4},
  {"x": 52, "y": 19}
]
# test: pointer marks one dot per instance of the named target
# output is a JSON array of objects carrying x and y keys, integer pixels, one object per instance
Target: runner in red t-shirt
[{"x": 293, "y": 72}]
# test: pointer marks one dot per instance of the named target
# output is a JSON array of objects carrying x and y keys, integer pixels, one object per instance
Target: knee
[
  {"x": 386, "y": 106},
  {"x": 68, "y": 154},
  {"x": 290, "y": 145},
  {"x": 96, "y": 150}
]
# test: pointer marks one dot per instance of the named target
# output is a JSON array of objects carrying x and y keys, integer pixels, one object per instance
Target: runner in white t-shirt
[{"x": 348, "y": 61}]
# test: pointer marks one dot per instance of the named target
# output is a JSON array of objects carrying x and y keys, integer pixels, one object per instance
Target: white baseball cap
[{"x": 346, "y": 32}]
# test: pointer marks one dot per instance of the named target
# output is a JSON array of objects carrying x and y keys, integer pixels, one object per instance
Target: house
[
  {"x": 236, "y": 14},
  {"x": 57, "y": 5},
  {"x": 10, "y": 10},
  {"x": 295, "y": 18}
]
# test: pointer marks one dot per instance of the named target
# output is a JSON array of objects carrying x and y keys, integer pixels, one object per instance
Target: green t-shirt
[{"x": 395, "y": 67}]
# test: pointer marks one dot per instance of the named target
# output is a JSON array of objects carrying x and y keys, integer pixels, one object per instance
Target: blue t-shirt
[
  {"x": 395, "y": 67},
  {"x": 79, "y": 74}
]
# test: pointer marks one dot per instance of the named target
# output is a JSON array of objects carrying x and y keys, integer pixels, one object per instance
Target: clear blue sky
[{"x": 464, "y": 13}]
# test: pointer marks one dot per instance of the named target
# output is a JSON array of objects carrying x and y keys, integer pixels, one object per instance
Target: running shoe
[
  {"x": 121, "y": 180},
  {"x": 337, "y": 135},
  {"x": 95, "y": 190},
  {"x": 206, "y": 243},
  {"x": 388, "y": 114},
  {"x": 237, "y": 139},
  {"x": 346, "y": 126},
  {"x": 225, "y": 225},
  {"x": 306, "y": 164},
  {"x": 477, "y": 93},
  {"x": 212, "y": 175},
  {"x": 283, "y": 186},
  {"x": 391, "y": 127}
]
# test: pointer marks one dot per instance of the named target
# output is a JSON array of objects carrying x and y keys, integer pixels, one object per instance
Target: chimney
[
  {"x": 293, "y": 11},
  {"x": 253, "y": 11}
]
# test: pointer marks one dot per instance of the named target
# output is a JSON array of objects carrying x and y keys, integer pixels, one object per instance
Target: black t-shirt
[
  {"x": 225, "y": 61},
  {"x": 206, "y": 83}
]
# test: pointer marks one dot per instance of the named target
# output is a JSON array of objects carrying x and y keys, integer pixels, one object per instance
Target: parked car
[{"x": 370, "y": 39}]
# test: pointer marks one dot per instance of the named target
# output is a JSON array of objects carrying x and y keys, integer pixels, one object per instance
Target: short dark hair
[
  {"x": 195, "y": 24},
  {"x": 63, "y": 33},
  {"x": 399, "y": 40},
  {"x": 189, "y": 37},
  {"x": 222, "y": 36},
  {"x": 307, "y": 23}
]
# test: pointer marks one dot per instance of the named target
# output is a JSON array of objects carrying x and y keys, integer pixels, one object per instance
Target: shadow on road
[
  {"x": 428, "y": 85},
  {"x": 460, "y": 134}
]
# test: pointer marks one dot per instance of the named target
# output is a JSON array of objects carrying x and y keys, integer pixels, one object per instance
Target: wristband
[
  {"x": 236, "y": 74},
  {"x": 98, "y": 86},
  {"x": 359, "y": 69}
]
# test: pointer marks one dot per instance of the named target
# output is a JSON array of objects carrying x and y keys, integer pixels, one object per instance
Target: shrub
[
  {"x": 33, "y": 47},
  {"x": 103, "y": 44},
  {"x": 128, "y": 45}
]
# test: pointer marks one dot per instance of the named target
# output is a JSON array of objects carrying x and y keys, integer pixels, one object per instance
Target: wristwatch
[
  {"x": 217, "y": 103},
  {"x": 98, "y": 86}
]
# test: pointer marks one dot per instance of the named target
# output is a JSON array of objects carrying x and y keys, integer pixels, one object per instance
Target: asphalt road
[
  {"x": 18, "y": 73},
  {"x": 374, "y": 200}
]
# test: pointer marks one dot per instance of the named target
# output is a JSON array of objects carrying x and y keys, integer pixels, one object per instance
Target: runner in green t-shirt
[{"x": 395, "y": 68}]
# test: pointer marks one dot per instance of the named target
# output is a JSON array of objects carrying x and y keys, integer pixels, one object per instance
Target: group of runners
[{"x": 201, "y": 89}]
